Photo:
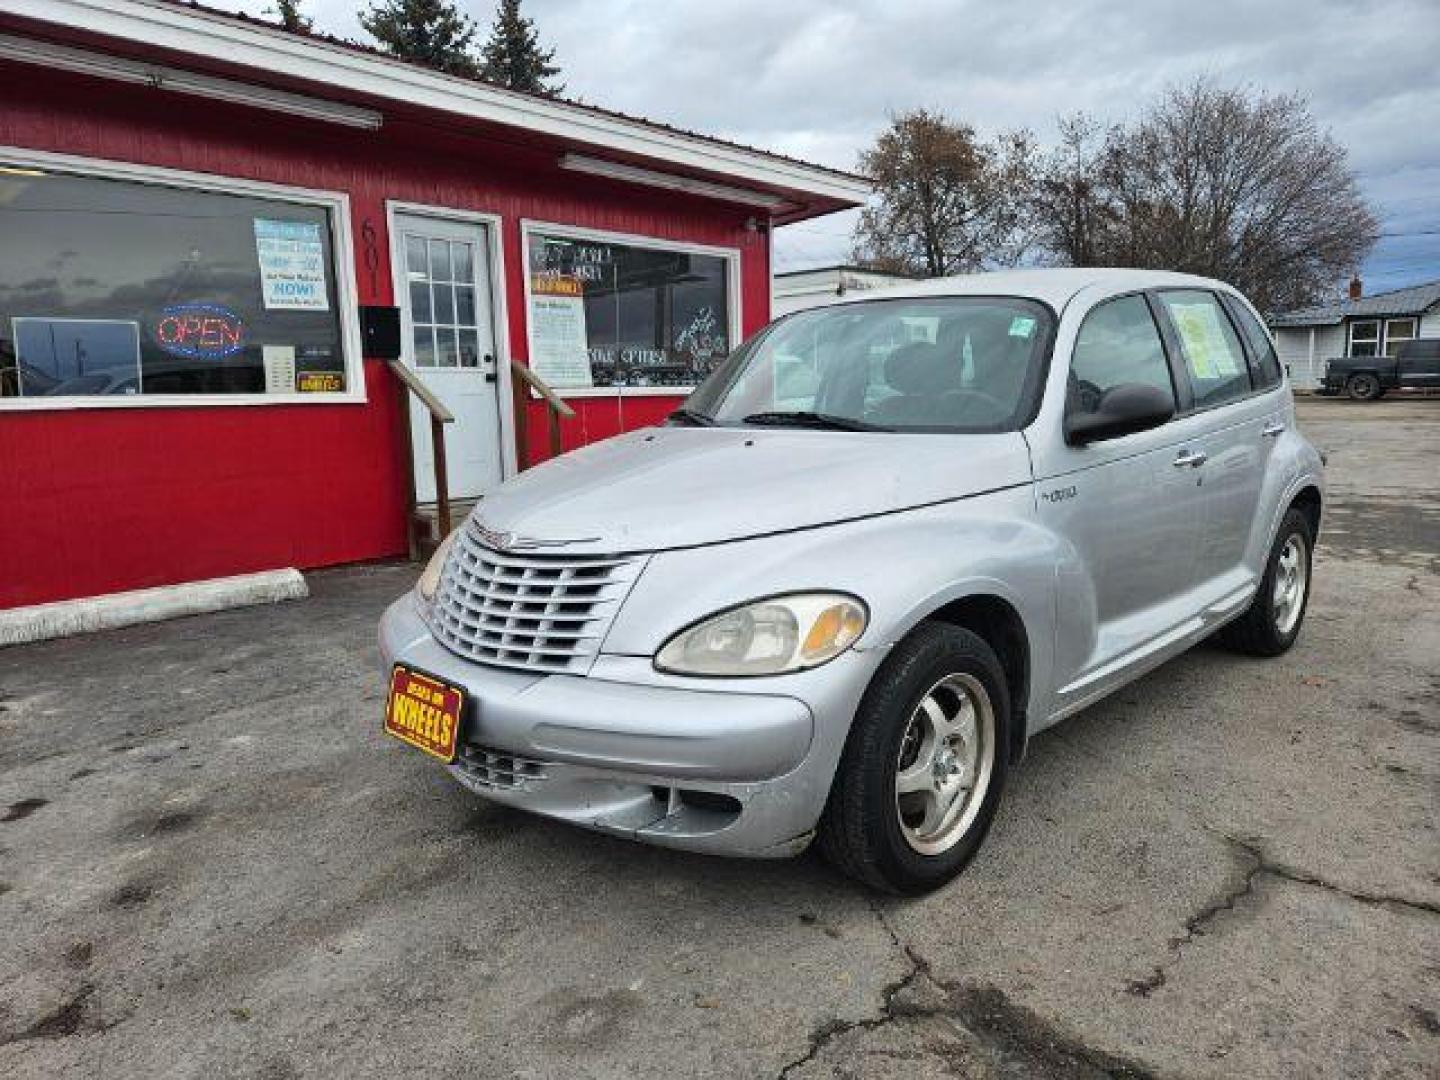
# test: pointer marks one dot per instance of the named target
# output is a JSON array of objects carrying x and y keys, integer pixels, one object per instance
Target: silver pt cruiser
[{"x": 885, "y": 543}]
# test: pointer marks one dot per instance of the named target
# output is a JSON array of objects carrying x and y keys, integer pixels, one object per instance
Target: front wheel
[
  {"x": 924, "y": 765},
  {"x": 1272, "y": 622}
]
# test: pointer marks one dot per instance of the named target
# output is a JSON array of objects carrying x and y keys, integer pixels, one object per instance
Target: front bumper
[{"x": 729, "y": 771}]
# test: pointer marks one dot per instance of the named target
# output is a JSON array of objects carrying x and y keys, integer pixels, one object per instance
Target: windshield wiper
[
  {"x": 812, "y": 420},
  {"x": 691, "y": 417}
]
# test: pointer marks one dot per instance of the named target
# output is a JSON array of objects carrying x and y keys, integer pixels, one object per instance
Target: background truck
[{"x": 1415, "y": 366}]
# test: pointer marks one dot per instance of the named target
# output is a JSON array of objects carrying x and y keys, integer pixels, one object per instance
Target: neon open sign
[{"x": 200, "y": 331}]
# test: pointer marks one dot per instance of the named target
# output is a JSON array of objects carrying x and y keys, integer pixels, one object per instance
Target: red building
[{"x": 213, "y": 232}]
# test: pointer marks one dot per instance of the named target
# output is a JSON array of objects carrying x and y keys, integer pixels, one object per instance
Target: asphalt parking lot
[{"x": 212, "y": 863}]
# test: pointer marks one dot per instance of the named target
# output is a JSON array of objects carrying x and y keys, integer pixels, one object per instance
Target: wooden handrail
[
  {"x": 439, "y": 417},
  {"x": 555, "y": 410},
  {"x": 412, "y": 382},
  {"x": 541, "y": 387}
]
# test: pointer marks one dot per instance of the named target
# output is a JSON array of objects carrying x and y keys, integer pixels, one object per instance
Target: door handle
[
  {"x": 1273, "y": 430},
  {"x": 1192, "y": 459}
]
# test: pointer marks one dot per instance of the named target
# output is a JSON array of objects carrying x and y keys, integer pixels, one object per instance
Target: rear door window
[
  {"x": 1265, "y": 365},
  {"x": 1118, "y": 344},
  {"x": 1213, "y": 358}
]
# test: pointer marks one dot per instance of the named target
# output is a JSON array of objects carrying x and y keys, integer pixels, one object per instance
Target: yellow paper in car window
[{"x": 1206, "y": 349}]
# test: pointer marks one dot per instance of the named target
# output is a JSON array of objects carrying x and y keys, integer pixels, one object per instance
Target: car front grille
[
  {"x": 497, "y": 769},
  {"x": 535, "y": 612}
]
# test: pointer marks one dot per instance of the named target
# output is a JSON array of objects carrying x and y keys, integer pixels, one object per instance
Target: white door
[{"x": 442, "y": 282}]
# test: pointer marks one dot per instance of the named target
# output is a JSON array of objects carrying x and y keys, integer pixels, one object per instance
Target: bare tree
[
  {"x": 946, "y": 201},
  {"x": 1229, "y": 183}
]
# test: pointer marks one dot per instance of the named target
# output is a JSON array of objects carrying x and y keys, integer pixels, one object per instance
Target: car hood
[{"x": 672, "y": 487}]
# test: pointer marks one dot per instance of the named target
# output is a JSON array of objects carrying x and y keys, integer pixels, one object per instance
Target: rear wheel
[
  {"x": 924, "y": 765},
  {"x": 1272, "y": 622},
  {"x": 1363, "y": 387}
]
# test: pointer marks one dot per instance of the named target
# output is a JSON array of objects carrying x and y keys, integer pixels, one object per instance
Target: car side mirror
[{"x": 1123, "y": 410}]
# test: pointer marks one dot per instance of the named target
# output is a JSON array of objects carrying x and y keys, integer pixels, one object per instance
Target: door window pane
[
  {"x": 465, "y": 305},
  {"x": 1267, "y": 372},
  {"x": 1118, "y": 345},
  {"x": 439, "y": 261},
  {"x": 469, "y": 349},
  {"x": 116, "y": 287},
  {"x": 424, "y": 346},
  {"x": 420, "y": 302},
  {"x": 444, "y": 304},
  {"x": 460, "y": 262},
  {"x": 415, "y": 259},
  {"x": 1214, "y": 359},
  {"x": 447, "y": 354},
  {"x": 611, "y": 314}
]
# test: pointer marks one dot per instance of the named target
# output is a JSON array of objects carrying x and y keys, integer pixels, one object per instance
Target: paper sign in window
[
  {"x": 292, "y": 265},
  {"x": 1207, "y": 350},
  {"x": 559, "y": 350},
  {"x": 279, "y": 368}
]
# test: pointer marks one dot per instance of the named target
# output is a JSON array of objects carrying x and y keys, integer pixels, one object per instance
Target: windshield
[{"x": 951, "y": 364}]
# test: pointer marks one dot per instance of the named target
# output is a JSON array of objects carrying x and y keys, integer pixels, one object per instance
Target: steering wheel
[{"x": 996, "y": 408}]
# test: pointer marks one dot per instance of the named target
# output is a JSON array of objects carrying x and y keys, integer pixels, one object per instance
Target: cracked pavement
[{"x": 212, "y": 863}]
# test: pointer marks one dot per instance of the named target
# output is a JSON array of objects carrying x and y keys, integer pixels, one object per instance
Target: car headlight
[
  {"x": 430, "y": 579},
  {"x": 767, "y": 637}
]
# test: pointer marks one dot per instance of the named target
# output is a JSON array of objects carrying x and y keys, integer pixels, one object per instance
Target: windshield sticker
[
  {"x": 1206, "y": 349},
  {"x": 292, "y": 265},
  {"x": 1022, "y": 326},
  {"x": 200, "y": 331}
]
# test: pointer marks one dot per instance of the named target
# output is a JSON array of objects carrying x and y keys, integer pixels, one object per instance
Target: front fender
[{"x": 904, "y": 566}]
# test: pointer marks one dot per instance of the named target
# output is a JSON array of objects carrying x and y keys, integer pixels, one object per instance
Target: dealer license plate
[{"x": 424, "y": 712}]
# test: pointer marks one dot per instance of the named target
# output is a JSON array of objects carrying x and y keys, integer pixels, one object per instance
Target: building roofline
[
  {"x": 351, "y": 68},
  {"x": 1333, "y": 314}
]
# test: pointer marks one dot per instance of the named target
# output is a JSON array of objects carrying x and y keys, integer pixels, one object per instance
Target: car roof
[{"x": 1055, "y": 286}]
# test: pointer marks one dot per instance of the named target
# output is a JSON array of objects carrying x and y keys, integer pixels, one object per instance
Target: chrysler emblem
[{"x": 500, "y": 540}]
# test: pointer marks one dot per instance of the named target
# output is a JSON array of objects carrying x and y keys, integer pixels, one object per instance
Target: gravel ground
[{"x": 213, "y": 864}]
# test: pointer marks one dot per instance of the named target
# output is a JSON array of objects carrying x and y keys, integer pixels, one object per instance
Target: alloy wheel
[
  {"x": 947, "y": 754},
  {"x": 1292, "y": 578}
]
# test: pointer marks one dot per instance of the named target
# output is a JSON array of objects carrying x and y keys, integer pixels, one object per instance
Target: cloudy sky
[{"x": 818, "y": 78}]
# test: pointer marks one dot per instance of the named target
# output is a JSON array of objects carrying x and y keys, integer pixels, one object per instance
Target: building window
[
  {"x": 1397, "y": 332},
  {"x": 122, "y": 290},
  {"x": 617, "y": 312},
  {"x": 1365, "y": 338}
]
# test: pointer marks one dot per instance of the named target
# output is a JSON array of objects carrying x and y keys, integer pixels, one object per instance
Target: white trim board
[
  {"x": 162, "y": 24},
  {"x": 733, "y": 278},
  {"x": 337, "y": 203},
  {"x": 112, "y": 611}
]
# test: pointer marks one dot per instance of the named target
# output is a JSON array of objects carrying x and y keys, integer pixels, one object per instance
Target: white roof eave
[{"x": 160, "y": 24}]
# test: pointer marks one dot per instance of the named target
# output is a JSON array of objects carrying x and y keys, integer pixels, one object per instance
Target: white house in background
[
  {"x": 1356, "y": 326},
  {"x": 798, "y": 289}
]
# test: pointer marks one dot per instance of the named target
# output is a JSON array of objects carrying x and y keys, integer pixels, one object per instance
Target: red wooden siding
[{"x": 97, "y": 500}]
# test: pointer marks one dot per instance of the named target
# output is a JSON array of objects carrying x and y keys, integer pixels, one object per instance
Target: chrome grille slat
[
  {"x": 535, "y": 612},
  {"x": 497, "y": 768}
]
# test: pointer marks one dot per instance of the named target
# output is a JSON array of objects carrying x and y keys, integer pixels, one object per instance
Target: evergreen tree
[
  {"x": 513, "y": 56},
  {"x": 288, "y": 12},
  {"x": 429, "y": 32}
]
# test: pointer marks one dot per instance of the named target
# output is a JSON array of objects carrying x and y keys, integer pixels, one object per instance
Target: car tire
[
  {"x": 1272, "y": 622},
  {"x": 911, "y": 730},
  {"x": 1363, "y": 387}
]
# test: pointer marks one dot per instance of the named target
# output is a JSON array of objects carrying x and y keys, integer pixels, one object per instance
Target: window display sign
[
  {"x": 292, "y": 265},
  {"x": 625, "y": 314},
  {"x": 200, "y": 331},
  {"x": 559, "y": 352}
]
